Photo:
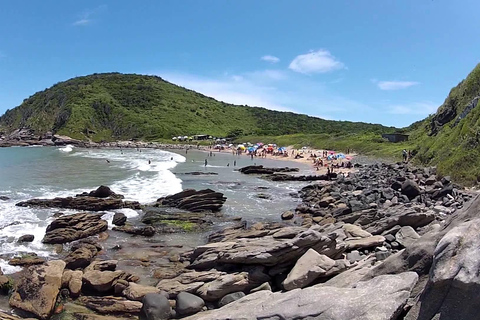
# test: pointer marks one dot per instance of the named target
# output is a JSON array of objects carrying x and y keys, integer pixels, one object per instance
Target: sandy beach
[{"x": 305, "y": 158}]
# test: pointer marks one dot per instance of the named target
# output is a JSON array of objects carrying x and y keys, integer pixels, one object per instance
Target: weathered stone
[
  {"x": 187, "y": 304},
  {"x": 362, "y": 243},
  {"x": 102, "y": 281},
  {"x": 406, "y": 236},
  {"x": 37, "y": 290},
  {"x": 26, "y": 238},
  {"x": 81, "y": 257},
  {"x": 410, "y": 189},
  {"x": 355, "y": 231},
  {"x": 308, "y": 268},
  {"x": 231, "y": 297},
  {"x": 137, "y": 292},
  {"x": 74, "y": 227},
  {"x": 110, "y": 304},
  {"x": 81, "y": 203},
  {"x": 147, "y": 231},
  {"x": 380, "y": 298},
  {"x": 196, "y": 201},
  {"x": 26, "y": 260},
  {"x": 119, "y": 219},
  {"x": 155, "y": 307},
  {"x": 267, "y": 250},
  {"x": 287, "y": 215},
  {"x": 453, "y": 289}
]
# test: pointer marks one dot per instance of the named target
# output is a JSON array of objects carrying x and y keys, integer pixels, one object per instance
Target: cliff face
[{"x": 450, "y": 139}]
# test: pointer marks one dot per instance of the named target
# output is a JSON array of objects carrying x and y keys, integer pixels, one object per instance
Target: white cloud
[
  {"x": 320, "y": 61},
  {"x": 395, "y": 85},
  {"x": 271, "y": 59},
  {"x": 85, "y": 18},
  {"x": 415, "y": 108}
]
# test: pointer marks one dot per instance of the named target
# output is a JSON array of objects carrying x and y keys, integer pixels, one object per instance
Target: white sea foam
[
  {"x": 67, "y": 148},
  {"x": 149, "y": 172}
]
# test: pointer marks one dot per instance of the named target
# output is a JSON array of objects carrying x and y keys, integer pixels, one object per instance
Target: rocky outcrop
[
  {"x": 195, "y": 201},
  {"x": 101, "y": 192},
  {"x": 81, "y": 203},
  {"x": 380, "y": 298},
  {"x": 73, "y": 227},
  {"x": 453, "y": 287},
  {"x": 38, "y": 287},
  {"x": 268, "y": 250},
  {"x": 263, "y": 170}
]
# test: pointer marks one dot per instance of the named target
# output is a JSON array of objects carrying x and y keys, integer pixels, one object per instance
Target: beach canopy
[
  {"x": 251, "y": 149},
  {"x": 282, "y": 149},
  {"x": 341, "y": 156},
  {"x": 241, "y": 146}
]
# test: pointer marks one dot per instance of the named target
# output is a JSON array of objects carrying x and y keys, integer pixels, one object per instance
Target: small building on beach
[{"x": 395, "y": 137}]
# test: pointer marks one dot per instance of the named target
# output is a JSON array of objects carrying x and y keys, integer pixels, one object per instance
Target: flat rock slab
[
  {"x": 267, "y": 251},
  {"x": 81, "y": 203},
  {"x": 373, "y": 241},
  {"x": 380, "y": 298},
  {"x": 111, "y": 305}
]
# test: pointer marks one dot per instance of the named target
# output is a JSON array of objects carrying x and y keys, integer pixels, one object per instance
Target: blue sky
[{"x": 381, "y": 61}]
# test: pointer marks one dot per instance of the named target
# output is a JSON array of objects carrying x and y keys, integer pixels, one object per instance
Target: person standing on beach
[
  {"x": 234, "y": 163},
  {"x": 206, "y": 162}
]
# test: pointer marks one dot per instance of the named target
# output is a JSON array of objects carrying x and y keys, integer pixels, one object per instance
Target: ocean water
[{"x": 142, "y": 175}]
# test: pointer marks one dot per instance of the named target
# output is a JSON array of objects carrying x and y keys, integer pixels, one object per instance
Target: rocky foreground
[{"x": 387, "y": 242}]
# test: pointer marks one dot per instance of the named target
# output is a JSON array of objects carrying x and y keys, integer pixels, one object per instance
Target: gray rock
[
  {"x": 119, "y": 219},
  {"x": 354, "y": 256},
  {"x": 263, "y": 286},
  {"x": 308, "y": 268},
  {"x": 380, "y": 298},
  {"x": 362, "y": 243},
  {"x": 382, "y": 255},
  {"x": 26, "y": 238},
  {"x": 406, "y": 236},
  {"x": 231, "y": 297},
  {"x": 155, "y": 307},
  {"x": 267, "y": 250},
  {"x": 410, "y": 189},
  {"x": 453, "y": 288},
  {"x": 287, "y": 215},
  {"x": 188, "y": 304}
]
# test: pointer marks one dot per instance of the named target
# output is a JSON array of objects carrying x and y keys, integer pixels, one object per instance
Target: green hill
[
  {"x": 450, "y": 139},
  {"x": 116, "y": 106}
]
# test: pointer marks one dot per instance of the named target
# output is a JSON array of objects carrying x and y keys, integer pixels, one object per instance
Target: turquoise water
[{"x": 142, "y": 175}]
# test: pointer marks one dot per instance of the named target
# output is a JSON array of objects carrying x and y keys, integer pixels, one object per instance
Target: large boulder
[
  {"x": 380, "y": 298},
  {"x": 36, "y": 291},
  {"x": 73, "y": 227},
  {"x": 101, "y": 192},
  {"x": 119, "y": 219},
  {"x": 267, "y": 250},
  {"x": 308, "y": 268},
  {"x": 410, "y": 188},
  {"x": 453, "y": 288},
  {"x": 188, "y": 304},
  {"x": 102, "y": 281},
  {"x": 228, "y": 283},
  {"x": 81, "y": 257},
  {"x": 196, "y": 201},
  {"x": 155, "y": 307},
  {"x": 406, "y": 236}
]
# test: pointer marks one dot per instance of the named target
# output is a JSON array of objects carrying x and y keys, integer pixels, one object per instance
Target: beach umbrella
[
  {"x": 241, "y": 146},
  {"x": 282, "y": 149},
  {"x": 251, "y": 149},
  {"x": 341, "y": 156},
  {"x": 331, "y": 152}
]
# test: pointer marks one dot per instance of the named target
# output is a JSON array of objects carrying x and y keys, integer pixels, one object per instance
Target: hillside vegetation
[
  {"x": 450, "y": 139},
  {"x": 127, "y": 106}
]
